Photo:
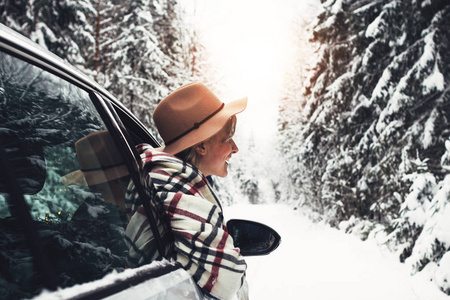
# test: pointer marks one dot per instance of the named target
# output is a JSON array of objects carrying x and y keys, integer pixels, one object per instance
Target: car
[{"x": 62, "y": 230}]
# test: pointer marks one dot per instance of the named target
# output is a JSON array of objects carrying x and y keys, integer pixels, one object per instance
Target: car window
[{"x": 73, "y": 178}]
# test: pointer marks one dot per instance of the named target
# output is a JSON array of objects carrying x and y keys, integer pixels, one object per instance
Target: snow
[
  {"x": 436, "y": 225},
  {"x": 428, "y": 131},
  {"x": 444, "y": 272},
  {"x": 445, "y": 159},
  {"x": 435, "y": 81},
  {"x": 373, "y": 28},
  {"x": 158, "y": 288},
  {"x": 95, "y": 210},
  {"x": 315, "y": 261},
  {"x": 417, "y": 202}
]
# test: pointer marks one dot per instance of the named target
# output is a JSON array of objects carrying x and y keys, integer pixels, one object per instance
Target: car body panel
[{"x": 158, "y": 280}]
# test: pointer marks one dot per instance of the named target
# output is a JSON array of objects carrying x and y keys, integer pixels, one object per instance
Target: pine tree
[
  {"x": 375, "y": 122},
  {"x": 139, "y": 64},
  {"x": 63, "y": 27}
]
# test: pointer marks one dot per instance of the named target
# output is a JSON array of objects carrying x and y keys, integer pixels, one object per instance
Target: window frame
[{"x": 132, "y": 159}]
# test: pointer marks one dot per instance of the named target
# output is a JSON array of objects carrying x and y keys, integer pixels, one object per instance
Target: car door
[
  {"x": 42, "y": 119},
  {"x": 66, "y": 160}
]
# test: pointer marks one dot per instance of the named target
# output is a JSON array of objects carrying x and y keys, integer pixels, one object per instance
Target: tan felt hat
[
  {"x": 192, "y": 114},
  {"x": 100, "y": 160}
]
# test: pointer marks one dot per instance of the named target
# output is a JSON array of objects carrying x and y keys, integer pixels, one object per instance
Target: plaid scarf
[{"x": 201, "y": 241}]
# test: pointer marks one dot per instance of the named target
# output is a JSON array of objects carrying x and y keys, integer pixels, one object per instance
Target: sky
[{"x": 251, "y": 43}]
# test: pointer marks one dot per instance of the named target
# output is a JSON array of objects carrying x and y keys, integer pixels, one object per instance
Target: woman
[{"x": 197, "y": 129}]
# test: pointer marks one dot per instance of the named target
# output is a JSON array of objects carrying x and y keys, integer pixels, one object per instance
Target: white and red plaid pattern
[{"x": 201, "y": 241}]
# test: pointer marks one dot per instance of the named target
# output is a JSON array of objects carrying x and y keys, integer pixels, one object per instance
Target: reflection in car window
[{"x": 71, "y": 173}]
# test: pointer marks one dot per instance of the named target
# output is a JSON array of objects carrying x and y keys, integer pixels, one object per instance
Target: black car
[{"x": 60, "y": 230}]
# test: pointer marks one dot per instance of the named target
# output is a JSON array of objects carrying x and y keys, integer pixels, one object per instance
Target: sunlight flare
[{"x": 256, "y": 60}]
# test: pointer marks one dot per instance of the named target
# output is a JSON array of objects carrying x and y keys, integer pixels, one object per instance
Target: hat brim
[
  {"x": 90, "y": 178},
  {"x": 207, "y": 129},
  {"x": 102, "y": 176},
  {"x": 75, "y": 177}
]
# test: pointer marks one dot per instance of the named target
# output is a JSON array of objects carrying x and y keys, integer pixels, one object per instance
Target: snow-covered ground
[{"x": 315, "y": 261}]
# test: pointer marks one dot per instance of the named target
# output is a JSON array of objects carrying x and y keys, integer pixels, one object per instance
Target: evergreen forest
[{"x": 370, "y": 133}]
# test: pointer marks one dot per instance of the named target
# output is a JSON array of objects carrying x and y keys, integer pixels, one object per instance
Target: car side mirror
[{"x": 253, "y": 238}]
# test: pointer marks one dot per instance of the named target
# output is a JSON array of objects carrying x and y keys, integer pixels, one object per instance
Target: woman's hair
[{"x": 191, "y": 156}]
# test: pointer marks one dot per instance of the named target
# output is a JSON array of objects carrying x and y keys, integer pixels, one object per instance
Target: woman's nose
[{"x": 234, "y": 147}]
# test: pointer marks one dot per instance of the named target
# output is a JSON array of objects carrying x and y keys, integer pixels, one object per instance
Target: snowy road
[{"x": 318, "y": 262}]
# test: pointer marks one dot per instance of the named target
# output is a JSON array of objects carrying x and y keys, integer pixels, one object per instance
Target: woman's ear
[{"x": 200, "y": 149}]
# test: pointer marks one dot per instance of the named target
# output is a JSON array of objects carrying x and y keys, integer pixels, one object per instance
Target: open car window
[{"x": 72, "y": 178}]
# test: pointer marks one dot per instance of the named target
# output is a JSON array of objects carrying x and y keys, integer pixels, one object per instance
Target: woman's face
[{"x": 216, "y": 154}]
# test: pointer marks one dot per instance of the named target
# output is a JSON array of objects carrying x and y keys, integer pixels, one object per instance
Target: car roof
[{"x": 20, "y": 46}]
